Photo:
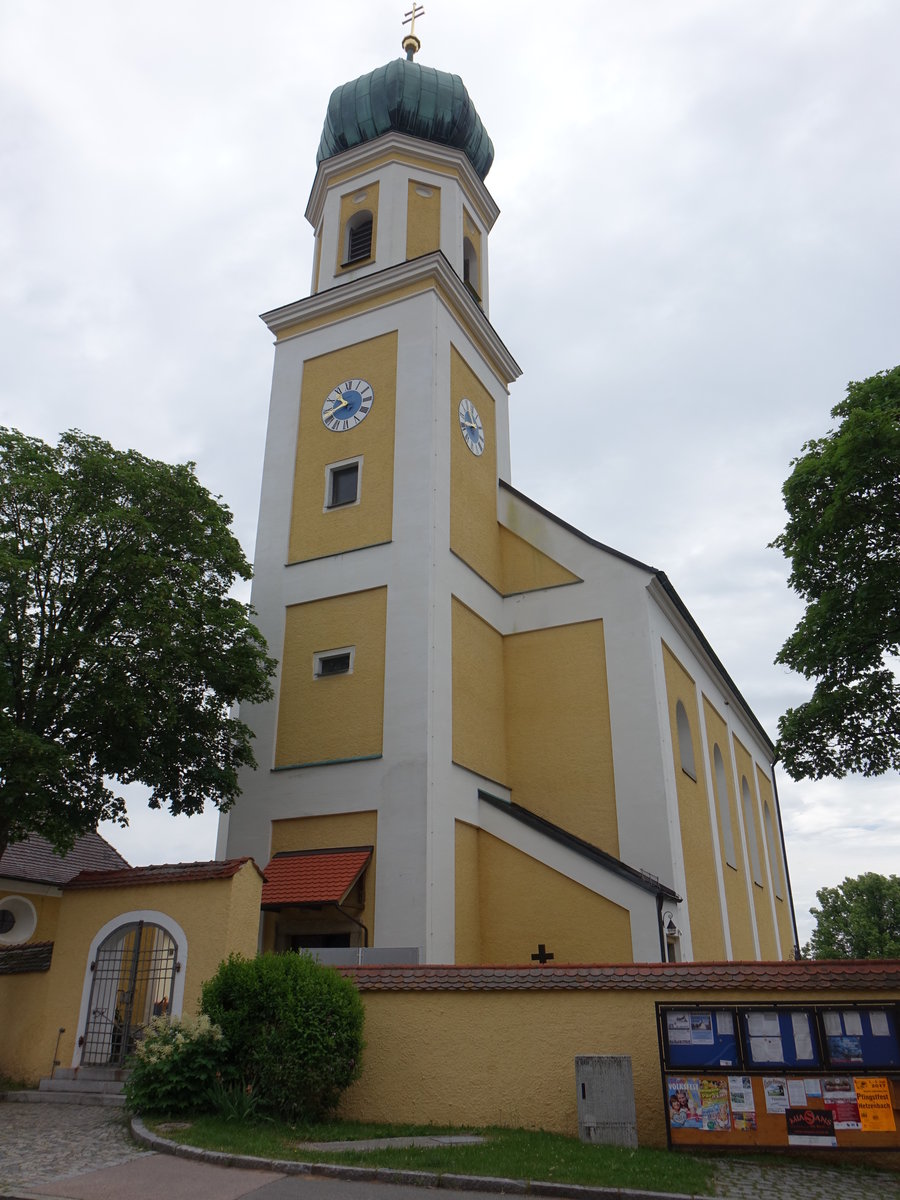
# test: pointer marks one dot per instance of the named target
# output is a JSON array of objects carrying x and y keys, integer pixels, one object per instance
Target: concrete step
[
  {"x": 72, "y": 1097},
  {"x": 91, "y": 1073},
  {"x": 111, "y": 1087}
]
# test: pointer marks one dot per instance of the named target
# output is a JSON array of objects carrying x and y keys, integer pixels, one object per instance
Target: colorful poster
[
  {"x": 714, "y": 1110},
  {"x": 839, "y": 1096},
  {"x": 690, "y": 1028},
  {"x": 845, "y": 1050},
  {"x": 743, "y": 1106},
  {"x": 873, "y": 1099},
  {"x": 685, "y": 1110},
  {"x": 775, "y": 1088},
  {"x": 701, "y": 1029},
  {"x": 810, "y": 1127},
  {"x": 678, "y": 1028}
]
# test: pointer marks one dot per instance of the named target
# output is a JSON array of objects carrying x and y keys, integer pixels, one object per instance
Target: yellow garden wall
[
  {"x": 217, "y": 915},
  {"x": 495, "y": 1047}
]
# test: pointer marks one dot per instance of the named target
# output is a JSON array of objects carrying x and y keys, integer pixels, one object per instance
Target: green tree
[
  {"x": 860, "y": 918},
  {"x": 843, "y": 540},
  {"x": 120, "y": 647}
]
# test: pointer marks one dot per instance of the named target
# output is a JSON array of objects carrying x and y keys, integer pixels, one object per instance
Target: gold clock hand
[{"x": 343, "y": 404}]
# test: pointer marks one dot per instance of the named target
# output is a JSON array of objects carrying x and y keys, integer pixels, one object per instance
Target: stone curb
[{"x": 467, "y": 1183}]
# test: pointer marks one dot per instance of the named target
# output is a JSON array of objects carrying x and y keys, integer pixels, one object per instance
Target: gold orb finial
[{"x": 411, "y": 43}]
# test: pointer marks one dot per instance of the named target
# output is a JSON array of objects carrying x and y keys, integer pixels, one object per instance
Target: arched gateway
[{"x": 132, "y": 980}]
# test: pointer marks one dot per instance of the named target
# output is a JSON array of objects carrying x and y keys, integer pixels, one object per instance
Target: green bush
[
  {"x": 175, "y": 1065},
  {"x": 292, "y": 1028}
]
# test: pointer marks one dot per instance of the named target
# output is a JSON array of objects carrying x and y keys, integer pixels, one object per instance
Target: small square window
[
  {"x": 336, "y": 664},
  {"x": 333, "y": 662},
  {"x": 343, "y": 485}
]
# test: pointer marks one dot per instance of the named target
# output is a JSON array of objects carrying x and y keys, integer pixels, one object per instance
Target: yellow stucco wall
[
  {"x": 693, "y": 819},
  {"x": 333, "y": 717},
  {"x": 46, "y": 910},
  {"x": 364, "y": 198},
  {"x": 474, "y": 530},
  {"x": 217, "y": 916},
  {"x": 525, "y": 568},
  {"x": 508, "y": 902},
  {"x": 558, "y": 736},
  {"x": 736, "y": 898},
  {"x": 764, "y": 927},
  {"x": 330, "y": 832},
  {"x": 479, "y": 695},
  {"x": 316, "y": 530},
  {"x": 423, "y": 219}
]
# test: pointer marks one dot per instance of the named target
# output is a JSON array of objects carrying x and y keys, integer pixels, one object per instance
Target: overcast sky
[{"x": 735, "y": 173}]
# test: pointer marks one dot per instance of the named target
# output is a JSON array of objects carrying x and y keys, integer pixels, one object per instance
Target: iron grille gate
[{"x": 133, "y": 977}]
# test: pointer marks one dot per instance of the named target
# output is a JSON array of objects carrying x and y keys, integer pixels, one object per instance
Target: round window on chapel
[{"x": 7, "y": 920}]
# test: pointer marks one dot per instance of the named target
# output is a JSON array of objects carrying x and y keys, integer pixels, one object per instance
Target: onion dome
[{"x": 408, "y": 98}]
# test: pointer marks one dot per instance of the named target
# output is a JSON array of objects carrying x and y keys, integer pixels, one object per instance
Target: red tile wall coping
[
  {"x": 160, "y": 873},
  {"x": 805, "y": 976}
]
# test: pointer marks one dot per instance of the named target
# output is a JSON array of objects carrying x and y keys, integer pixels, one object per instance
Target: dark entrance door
[{"x": 132, "y": 979}]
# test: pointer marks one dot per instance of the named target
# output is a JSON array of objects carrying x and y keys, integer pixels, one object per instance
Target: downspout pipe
[{"x": 355, "y": 922}]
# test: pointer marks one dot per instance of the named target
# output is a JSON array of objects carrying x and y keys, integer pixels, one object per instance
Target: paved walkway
[{"x": 70, "y": 1152}]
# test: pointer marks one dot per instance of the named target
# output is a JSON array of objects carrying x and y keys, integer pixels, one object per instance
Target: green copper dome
[{"x": 409, "y": 98}]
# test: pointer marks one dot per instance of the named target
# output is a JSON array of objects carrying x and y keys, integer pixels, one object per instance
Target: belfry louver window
[{"x": 359, "y": 238}]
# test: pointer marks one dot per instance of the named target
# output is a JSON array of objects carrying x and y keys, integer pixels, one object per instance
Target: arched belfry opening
[
  {"x": 471, "y": 270},
  {"x": 132, "y": 980},
  {"x": 358, "y": 237}
]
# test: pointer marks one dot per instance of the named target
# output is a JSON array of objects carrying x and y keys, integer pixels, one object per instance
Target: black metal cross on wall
[{"x": 542, "y": 956}]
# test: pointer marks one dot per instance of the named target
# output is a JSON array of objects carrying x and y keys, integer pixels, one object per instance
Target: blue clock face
[
  {"x": 347, "y": 405},
  {"x": 470, "y": 426}
]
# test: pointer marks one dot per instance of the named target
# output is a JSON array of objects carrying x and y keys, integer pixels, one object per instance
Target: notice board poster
[
  {"x": 810, "y": 1127},
  {"x": 873, "y": 1101}
]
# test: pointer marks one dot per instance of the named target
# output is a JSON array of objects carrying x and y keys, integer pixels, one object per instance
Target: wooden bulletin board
[{"x": 813, "y": 1076}]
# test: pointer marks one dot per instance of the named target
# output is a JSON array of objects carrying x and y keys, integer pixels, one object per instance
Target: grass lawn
[{"x": 507, "y": 1153}]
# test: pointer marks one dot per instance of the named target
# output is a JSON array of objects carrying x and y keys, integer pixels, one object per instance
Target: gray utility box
[{"x": 605, "y": 1089}]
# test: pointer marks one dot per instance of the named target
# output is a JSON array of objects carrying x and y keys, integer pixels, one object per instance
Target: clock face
[
  {"x": 470, "y": 424},
  {"x": 347, "y": 404}
]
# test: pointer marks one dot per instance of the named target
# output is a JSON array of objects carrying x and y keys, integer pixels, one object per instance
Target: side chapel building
[{"x": 493, "y": 738}]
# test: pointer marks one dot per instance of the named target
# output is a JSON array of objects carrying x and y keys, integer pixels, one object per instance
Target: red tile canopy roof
[{"x": 314, "y": 876}]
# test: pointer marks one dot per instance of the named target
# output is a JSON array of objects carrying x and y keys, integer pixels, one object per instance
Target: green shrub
[
  {"x": 174, "y": 1066},
  {"x": 292, "y": 1028}
]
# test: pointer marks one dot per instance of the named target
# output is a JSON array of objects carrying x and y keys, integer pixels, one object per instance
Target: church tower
[
  {"x": 492, "y": 737},
  {"x": 387, "y": 431}
]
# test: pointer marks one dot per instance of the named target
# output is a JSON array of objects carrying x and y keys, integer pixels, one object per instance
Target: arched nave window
[
  {"x": 685, "y": 743},
  {"x": 724, "y": 806},
  {"x": 750, "y": 830},
  {"x": 774, "y": 856}
]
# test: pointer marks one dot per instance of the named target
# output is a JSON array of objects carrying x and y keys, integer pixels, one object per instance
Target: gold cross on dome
[
  {"x": 410, "y": 42},
  {"x": 410, "y": 18}
]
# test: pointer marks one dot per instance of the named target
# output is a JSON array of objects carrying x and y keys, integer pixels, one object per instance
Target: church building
[{"x": 493, "y": 738}]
